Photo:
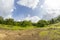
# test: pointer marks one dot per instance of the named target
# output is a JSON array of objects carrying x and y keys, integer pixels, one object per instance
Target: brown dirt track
[{"x": 25, "y": 34}]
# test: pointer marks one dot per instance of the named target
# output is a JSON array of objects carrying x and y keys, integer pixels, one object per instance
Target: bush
[
  {"x": 42, "y": 23},
  {"x": 26, "y": 23}
]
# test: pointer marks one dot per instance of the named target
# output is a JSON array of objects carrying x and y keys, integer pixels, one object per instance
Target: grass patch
[
  {"x": 11, "y": 27},
  {"x": 50, "y": 34},
  {"x": 43, "y": 33}
]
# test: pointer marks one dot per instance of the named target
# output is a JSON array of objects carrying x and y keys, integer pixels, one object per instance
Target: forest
[{"x": 40, "y": 23}]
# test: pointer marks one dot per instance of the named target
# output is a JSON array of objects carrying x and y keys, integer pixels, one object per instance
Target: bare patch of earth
[{"x": 34, "y": 34}]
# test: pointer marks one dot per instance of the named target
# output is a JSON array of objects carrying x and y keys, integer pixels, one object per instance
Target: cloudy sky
[{"x": 33, "y": 10}]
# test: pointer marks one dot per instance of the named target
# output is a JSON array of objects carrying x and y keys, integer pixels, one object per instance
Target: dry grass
[{"x": 52, "y": 32}]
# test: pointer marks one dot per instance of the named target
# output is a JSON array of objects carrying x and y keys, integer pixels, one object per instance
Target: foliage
[
  {"x": 42, "y": 23},
  {"x": 58, "y": 18},
  {"x": 50, "y": 34},
  {"x": 1, "y": 20},
  {"x": 9, "y": 21},
  {"x": 52, "y": 21},
  {"x": 26, "y": 23}
]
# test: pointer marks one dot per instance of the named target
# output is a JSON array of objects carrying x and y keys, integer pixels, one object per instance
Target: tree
[
  {"x": 42, "y": 23},
  {"x": 26, "y": 23},
  {"x": 1, "y": 20},
  {"x": 9, "y": 21},
  {"x": 52, "y": 21},
  {"x": 34, "y": 24},
  {"x": 58, "y": 18},
  {"x": 17, "y": 23}
]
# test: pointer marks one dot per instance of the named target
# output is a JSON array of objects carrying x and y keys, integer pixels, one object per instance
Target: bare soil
[{"x": 32, "y": 34}]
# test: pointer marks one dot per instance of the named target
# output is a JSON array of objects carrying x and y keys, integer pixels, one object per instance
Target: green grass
[
  {"x": 55, "y": 25},
  {"x": 43, "y": 33},
  {"x": 50, "y": 34},
  {"x": 2, "y": 26},
  {"x": 10, "y": 27}
]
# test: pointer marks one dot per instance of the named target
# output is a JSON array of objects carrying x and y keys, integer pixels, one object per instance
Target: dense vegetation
[
  {"x": 40, "y": 23},
  {"x": 50, "y": 30}
]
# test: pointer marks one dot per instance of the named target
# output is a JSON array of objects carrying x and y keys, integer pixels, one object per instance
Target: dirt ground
[
  {"x": 23, "y": 35},
  {"x": 19, "y": 35}
]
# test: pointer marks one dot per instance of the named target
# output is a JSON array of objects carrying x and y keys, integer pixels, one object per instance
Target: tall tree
[
  {"x": 9, "y": 21},
  {"x": 42, "y": 23},
  {"x": 1, "y": 20},
  {"x": 52, "y": 21},
  {"x": 26, "y": 23}
]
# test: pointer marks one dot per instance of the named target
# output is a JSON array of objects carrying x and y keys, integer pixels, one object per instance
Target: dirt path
[
  {"x": 34, "y": 34},
  {"x": 19, "y": 35}
]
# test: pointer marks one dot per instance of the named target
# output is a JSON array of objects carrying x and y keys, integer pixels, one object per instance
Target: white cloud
[
  {"x": 6, "y": 8},
  {"x": 32, "y": 19},
  {"x": 29, "y": 3},
  {"x": 53, "y": 4},
  {"x": 51, "y": 8}
]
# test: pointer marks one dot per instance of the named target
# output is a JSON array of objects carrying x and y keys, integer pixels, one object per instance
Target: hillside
[{"x": 52, "y": 32}]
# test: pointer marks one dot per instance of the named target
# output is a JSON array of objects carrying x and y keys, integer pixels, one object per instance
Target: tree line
[{"x": 40, "y": 23}]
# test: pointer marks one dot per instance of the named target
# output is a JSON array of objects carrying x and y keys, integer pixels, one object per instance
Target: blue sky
[
  {"x": 23, "y": 11},
  {"x": 33, "y": 10}
]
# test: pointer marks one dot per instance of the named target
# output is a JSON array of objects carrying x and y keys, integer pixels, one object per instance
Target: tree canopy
[{"x": 40, "y": 23}]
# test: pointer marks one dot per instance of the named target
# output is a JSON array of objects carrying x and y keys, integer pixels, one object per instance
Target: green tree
[
  {"x": 58, "y": 18},
  {"x": 42, "y": 23},
  {"x": 34, "y": 24},
  {"x": 52, "y": 21},
  {"x": 16, "y": 23},
  {"x": 9, "y": 21},
  {"x": 26, "y": 23},
  {"x": 1, "y": 20}
]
